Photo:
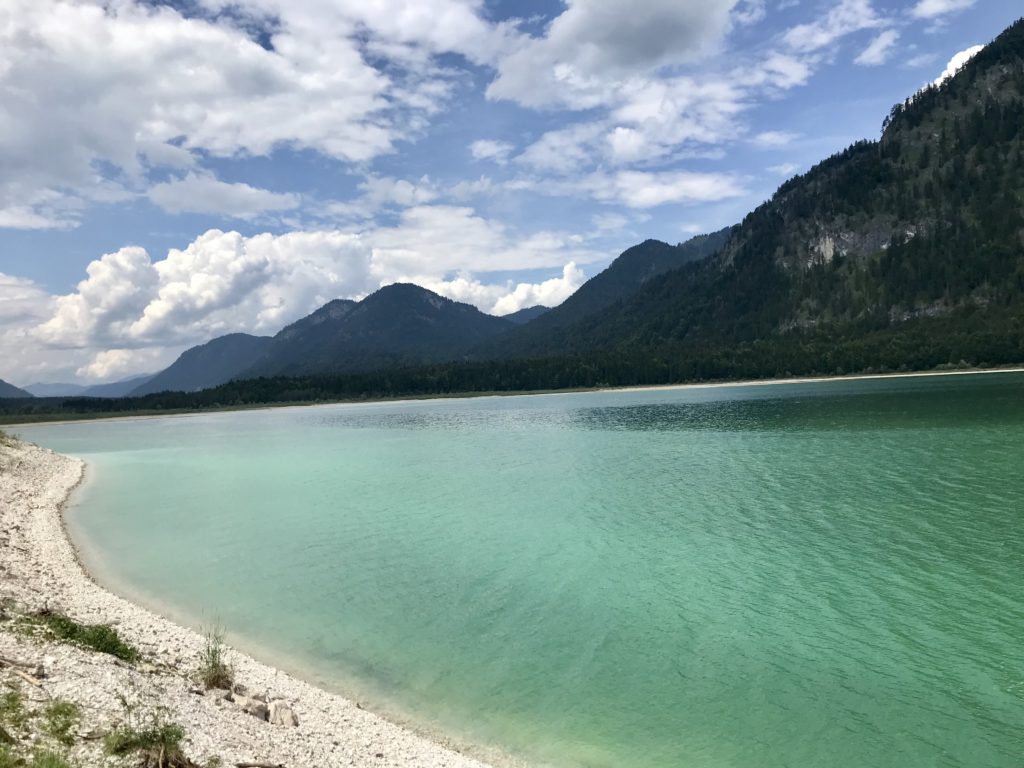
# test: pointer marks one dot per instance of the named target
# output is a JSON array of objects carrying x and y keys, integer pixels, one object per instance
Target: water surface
[{"x": 807, "y": 575}]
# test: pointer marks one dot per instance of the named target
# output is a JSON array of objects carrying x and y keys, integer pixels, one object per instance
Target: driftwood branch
[
  {"x": 27, "y": 677},
  {"x": 259, "y": 765}
]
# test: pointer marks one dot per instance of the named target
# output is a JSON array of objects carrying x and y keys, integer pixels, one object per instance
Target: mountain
[
  {"x": 40, "y": 389},
  {"x": 113, "y": 389},
  {"x": 9, "y": 390},
  {"x": 207, "y": 365},
  {"x": 117, "y": 388},
  {"x": 525, "y": 315},
  {"x": 914, "y": 242},
  {"x": 633, "y": 269},
  {"x": 399, "y": 325}
]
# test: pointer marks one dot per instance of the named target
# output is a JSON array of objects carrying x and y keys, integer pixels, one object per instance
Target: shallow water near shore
[{"x": 796, "y": 575}]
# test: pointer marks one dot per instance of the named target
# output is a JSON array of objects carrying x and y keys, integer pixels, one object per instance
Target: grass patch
[
  {"x": 214, "y": 672},
  {"x": 158, "y": 746},
  {"x": 150, "y": 739},
  {"x": 13, "y": 714},
  {"x": 97, "y": 637},
  {"x": 44, "y": 758},
  {"x": 8, "y": 759},
  {"x": 60, "y": 719}
]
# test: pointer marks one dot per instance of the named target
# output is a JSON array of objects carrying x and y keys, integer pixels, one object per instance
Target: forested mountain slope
[
  {"x": 399, "y": 325},
  {"x": 206, "y": 365},
  {"x": 926, "y": 224}
]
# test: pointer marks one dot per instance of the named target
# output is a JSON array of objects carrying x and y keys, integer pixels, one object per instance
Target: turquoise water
[{"x": 822, "y": 574}]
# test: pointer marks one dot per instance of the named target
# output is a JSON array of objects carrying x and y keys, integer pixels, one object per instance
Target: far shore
[{"x": 43, "y": 421}]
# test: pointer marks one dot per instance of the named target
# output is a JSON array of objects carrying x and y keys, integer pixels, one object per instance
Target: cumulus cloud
[
  {"x": 930, "y": 9},
  {"x": 115, "y": 364},
  {"x": 96, "y": 93},
  {"x": 879, "y": 49},
  {"x": 505, "y": 298},
  {"x": 131, "y": 308},
  {"x": 959, "y": 59},
  {"x": 202, "y": 193}
]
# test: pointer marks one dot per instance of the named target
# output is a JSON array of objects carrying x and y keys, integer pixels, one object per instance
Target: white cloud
[
  {"x": 592, "y": 45},
  {"x": 93, "y": 95},
  {"x": 639, "y": 189},
  {"x": 25, "y": 217},
  {"x": 844, "y": 18},
  {"x": 505, "y": 298},
  {"x": 645, "y": 189},
  {"x": 930, "y": 9},
  {"x": 955, "y": 63},
  {"x": 116, "y": 364},
  {"x": 879, "y": 50},
  {"x": 202, "y": 193},
  {"x": 488, "y": 149},
  {"x": 771, "y": 139},
  {"x": 223, "y": 282}
]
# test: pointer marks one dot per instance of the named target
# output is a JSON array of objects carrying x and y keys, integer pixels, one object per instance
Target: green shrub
[
  {"x": 158, "y": 745},
  {"x": 98, "y": 637}
]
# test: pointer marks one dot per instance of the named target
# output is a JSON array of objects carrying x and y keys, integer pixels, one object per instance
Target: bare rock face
[{"x": 281, "y": 714}]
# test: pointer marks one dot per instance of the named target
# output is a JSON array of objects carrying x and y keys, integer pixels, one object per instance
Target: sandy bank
[{"x": 38, "y": 568}]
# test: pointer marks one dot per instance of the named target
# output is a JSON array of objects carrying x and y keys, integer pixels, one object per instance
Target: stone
[
  {"x": 219, "y": 694},
  {"x": 281, "y": 714},
  {"x": 257, "y": 709},
  {"x": 239, "y": 690}
]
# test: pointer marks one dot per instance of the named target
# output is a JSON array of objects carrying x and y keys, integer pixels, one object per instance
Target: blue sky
[{"x": 173, "y": 171}]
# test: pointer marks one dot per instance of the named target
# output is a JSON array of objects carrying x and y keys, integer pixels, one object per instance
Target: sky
[{"x": 174, "y": 170}]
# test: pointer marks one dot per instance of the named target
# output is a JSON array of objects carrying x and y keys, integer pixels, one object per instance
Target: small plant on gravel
[
  {"x": 151, "y": 740},
  {"x": 13, "y": 714},
  {"x": 44, "y": 758},
  {"x": 98, "y": 637},
  {"x": 8, "y": 759},
  {"x": 60, "y": 720},
  {"x": 214, "y": 672}
]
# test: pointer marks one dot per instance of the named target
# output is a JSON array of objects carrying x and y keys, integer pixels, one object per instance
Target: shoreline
[
  {"x": 571, "y": 391},
  {"x": 41, "y": 568}
]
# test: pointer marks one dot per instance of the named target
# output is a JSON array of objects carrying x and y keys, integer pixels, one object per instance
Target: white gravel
[{"x": 38, "y": 566}]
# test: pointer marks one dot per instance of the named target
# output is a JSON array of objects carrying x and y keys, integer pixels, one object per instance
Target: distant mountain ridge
[
  {"x": 527, "y": 314},
  {"x": 626, "y": 275},
  {"x": 215, "y": 362},
  {"x": 399, "y": 325},
  {"x": 11, "y": 391}
]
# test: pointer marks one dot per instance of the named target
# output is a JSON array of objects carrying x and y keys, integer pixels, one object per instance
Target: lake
[{"x": 801, "y": 575}]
